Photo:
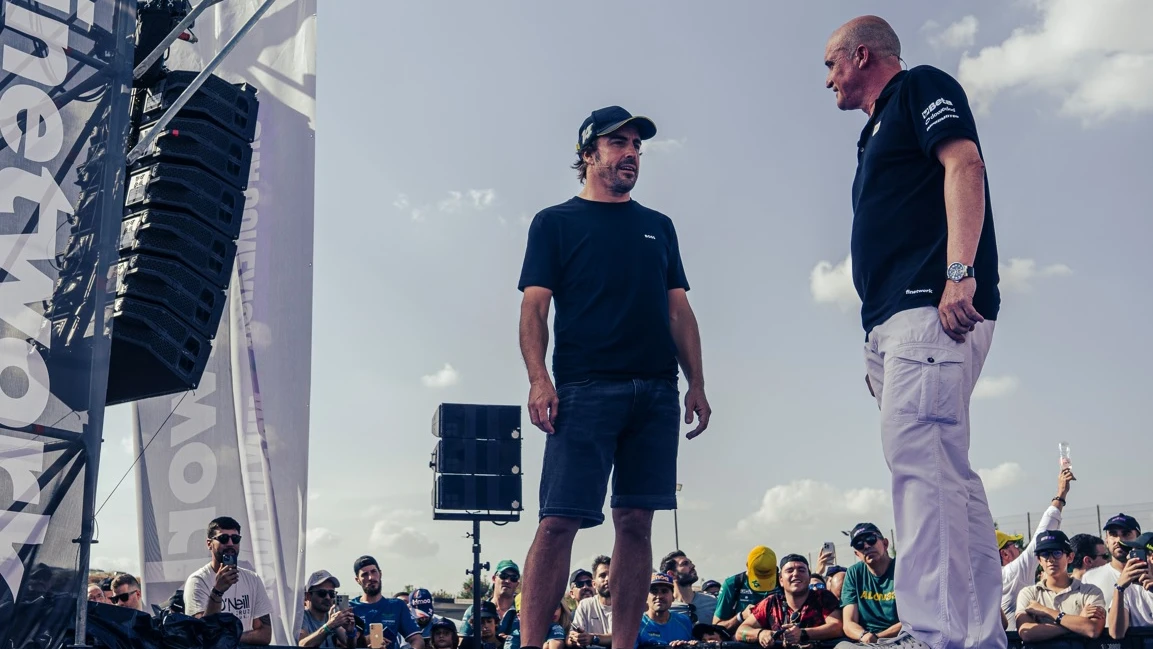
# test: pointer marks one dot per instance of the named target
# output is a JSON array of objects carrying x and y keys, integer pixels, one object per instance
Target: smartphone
[
  {"x": 831, "y": 548},
  {"x": 376, "y": 635},
  {"x": 228, "y": 559},
  {"x": 342, "y": 602},
  {"x": 1139, "y": 553}
]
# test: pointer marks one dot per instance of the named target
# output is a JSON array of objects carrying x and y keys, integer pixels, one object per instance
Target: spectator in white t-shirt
[
  {"x": 1118, "y": 529},
  {"x": 1133, "y": 594},
  {"x": 592, "y": 621},
  {"x": 1019, "y": 565},
  {"x": 223, "y": 587}
]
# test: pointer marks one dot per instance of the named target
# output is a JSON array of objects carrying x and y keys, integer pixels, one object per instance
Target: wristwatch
[
  {"x": 596, "y": 640},
  {"x": 1059, "y": 616},
  {"x": 958, "y": 271}
]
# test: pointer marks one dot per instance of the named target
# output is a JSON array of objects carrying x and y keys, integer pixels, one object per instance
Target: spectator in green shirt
[
  {"x": 744, "y": 590},
  {"x": 870, "y": 606}
]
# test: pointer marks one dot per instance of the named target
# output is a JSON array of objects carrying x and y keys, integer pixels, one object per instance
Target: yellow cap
[
  {"x": 1004, "y": 539},
  {"x": 761, "y": 569}
]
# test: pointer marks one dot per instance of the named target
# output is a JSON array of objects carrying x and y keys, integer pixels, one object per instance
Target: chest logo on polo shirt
[
  {"x": 649, "y": 236},
  {"x": 876, "y": 128}
]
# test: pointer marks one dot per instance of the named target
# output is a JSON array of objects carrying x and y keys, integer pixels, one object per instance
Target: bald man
[{"x": 925, "y": 266}]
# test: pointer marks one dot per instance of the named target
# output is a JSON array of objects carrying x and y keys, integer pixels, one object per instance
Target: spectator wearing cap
[
  {"x": 1088, "y": 553},
  {"x": 592, "y": 623},
  {"x": 744, "y": 590},
  {"x": 580, "y": 585},
  {"x": 505, "y": 581},
  {"x": 423, "y": 610},
  {"x": 698, "y": 606},
  {"x": 660, "y": 625},
  {"x": 794, "y": 615},
  {"x": 1019, "y": 566},
  {"x": 488, "y": 621},
  {"x": 106, "y": 586},
  {"x": 1118, "y": 530},
  {"x": 1132, "y": 603},
  {"x": 711, "y": 586},
  {"x": 1058, "y": 604},
  {"x": 322, "y": 624},
  {"x": 443, "y": 633},
  {"x": 374, "y": 607},
  {"x": 868, "y": 597}
]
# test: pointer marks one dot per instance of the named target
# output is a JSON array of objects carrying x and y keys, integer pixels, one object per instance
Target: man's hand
[
  {"x": 870, "y": 637},
  {"x": 226, "y": 576},
  {"x": 792, "y": 633},
  {"x": 696, "y": 403},
  {"x": 1133, "y": 572},
  {"x": 1094, "y": 613},
  {"x": 1063, "y": 482},
  {"x": 337, "y": 619},
  {"x": 824, "y": 560},
  {"x": 958, "y": 317},
  {"x": 542, "y": 405},
  {"x": 580, "y": 638},
  {"x": 1040, "y": 613}
]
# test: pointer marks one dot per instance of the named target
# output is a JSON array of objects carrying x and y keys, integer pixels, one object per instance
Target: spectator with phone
[
  {"x": 1019, "y": 565},
  {"x": 592, "y": 622},
  {"x": 392, "y": 614},
  {"x": 1118, "y": 530},
  {"x": 1058, "y": 605},
  {"x": 797, "y": 614},
  {"x": 1133, "y": 593},
  {"x": 868, "y": 596},
  {"x": 224, "y": 587},
  {"x": 324, "y": 624}
]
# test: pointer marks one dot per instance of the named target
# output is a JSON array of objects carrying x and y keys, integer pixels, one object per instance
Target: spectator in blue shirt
[
  {"x": 660, "y": 625},
  {"x": 393, "y": 614}
]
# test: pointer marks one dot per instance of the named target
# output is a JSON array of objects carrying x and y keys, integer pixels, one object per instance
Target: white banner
[{"x": 250, "y": 421}]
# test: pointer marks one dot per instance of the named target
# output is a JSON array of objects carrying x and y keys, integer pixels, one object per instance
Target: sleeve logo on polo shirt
[
  {"x": 649, "y": 236},
  {"x": 938, "y": 111}
]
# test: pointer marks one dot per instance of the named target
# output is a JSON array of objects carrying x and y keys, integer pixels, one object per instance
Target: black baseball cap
[
  {"x": 861, "y": 529},
  {"x": 1051, "y": 540},
  {"x": 363, "y": 561},
  {"x": 700, "y": 629},
  {"x": 578, "y": 573},
  {"x": 1122, "y": 522},
  {"x": 710, "y": 583},
  {"x": 789, "y": 558},
  {"x": 603, "y": 121},
  {"x": 442, "y": 623}
]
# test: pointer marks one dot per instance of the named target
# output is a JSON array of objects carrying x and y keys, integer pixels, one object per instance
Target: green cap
[{"x": 507, "y": 564}]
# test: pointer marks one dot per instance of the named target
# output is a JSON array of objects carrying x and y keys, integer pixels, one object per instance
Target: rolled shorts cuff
[
  {"x": 588, "y": 518},
  {"x": 651, "y": 503}
]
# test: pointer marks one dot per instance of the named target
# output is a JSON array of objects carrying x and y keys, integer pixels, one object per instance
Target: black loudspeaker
[
  {"x": 490, "y": 457},
  {"x": 232, "y": 106},
  {"x": 478, "y": 493},
  {"x": 190, "y": 190},
  {"x": 153, "y": 352},
  {"x": 468, "y": 421},
  {"x": 169, "y": 284},
  {"x": 181, "y": 237},
  {"x": 201, "y": 143}
]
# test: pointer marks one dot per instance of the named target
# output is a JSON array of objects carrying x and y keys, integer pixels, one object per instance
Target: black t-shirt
[
  {"x": 900, "y": 230},
  {"x": 610, "y": 267}
]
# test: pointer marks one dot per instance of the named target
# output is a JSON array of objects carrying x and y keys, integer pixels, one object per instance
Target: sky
[{"x": 442, "y": 128}]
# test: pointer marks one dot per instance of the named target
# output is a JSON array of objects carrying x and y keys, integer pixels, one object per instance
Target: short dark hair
[
  {"x": 601, "y": 560},
  {"x": 590, "y": 148},
  {"x": 818, "y": 576},
  {"x": 124, "y": 579},
  {"x": 669, "y": 563},
  {"x": 363, "y": 561},
  {"x": 1084, "y": 545},
  {"x": 222, "y": 523}
]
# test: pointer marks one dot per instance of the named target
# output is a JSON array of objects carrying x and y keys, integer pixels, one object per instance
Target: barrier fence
[{"x": 1077, "y": 520}]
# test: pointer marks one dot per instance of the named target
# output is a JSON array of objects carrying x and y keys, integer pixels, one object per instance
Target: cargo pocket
[{"x": 929, "y": 378}]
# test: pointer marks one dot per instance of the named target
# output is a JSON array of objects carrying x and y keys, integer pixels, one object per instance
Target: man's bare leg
[
  {"x": 545, "y": 577},
  {"x": 630, "y": 573}
]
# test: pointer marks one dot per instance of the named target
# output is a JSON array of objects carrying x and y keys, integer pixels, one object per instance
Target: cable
[{"x": 158, "y": 429}]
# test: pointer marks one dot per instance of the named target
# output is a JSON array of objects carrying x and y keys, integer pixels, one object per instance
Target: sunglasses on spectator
[
  {"x": 1050, "y": 554},
  {"x": 865, "y": 541},
  {"x": 320, "y": 592},
  {"x": 583, "y": 583},
  {"x": 1106, "y": 556},
  {"x": 226, "y": 538},
  {"x": 123, "y": 597},
  {"x": 509, "y": 576}
]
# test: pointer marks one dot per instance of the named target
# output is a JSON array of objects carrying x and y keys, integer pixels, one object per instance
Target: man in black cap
[
  {"x": 867, "y": 595},
  {"x": 1118, "y": 530},
  {"x": 1058, "y": 604},
  {"x": 580, "y": 585},
  {"x": 1133, "y": 595},
  {"x": 623, "y": 325}
]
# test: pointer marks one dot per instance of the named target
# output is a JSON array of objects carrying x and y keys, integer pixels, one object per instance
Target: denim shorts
[{"x": 627, "y": 428}]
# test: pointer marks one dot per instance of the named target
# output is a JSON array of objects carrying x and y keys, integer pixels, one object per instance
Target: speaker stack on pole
[{"x": 477, "y": 473}]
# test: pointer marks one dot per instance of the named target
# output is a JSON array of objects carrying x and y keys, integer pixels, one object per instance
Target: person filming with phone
[
  {"x": 1133, "y": 594},
  {"x": 324, "y": 624},
  {"x": 223, "y": 587}
]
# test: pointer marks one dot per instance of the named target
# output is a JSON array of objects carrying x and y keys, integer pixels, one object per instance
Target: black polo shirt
[
  {"x": 610, "y": 267},
  {"x": 900, "y": 230}
]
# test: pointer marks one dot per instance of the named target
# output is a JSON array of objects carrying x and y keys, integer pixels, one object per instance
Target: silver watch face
[{"x": 956, "y": 271}]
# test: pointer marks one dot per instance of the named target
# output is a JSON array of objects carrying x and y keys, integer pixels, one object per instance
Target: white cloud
[
  {"x": 481, "y": 198},
  {"x": 663, "y": 146},
  {"x": 833, "y": 284},
  {"x": 394, "y": 538},
  {"x": 960, "y": 34},
  {"x": 1092, "y": 57},
  {"x": 451, "y": 204},
  {"x": 808, "y": 504},
  {"x": 995, "y": 387},
  {"x": 401, "y": 202},
  {"x": 1001, "y": 476},
  {"x": 116, "y": 564},
  {"x": 321, "y": 537},
  {"x": 445, "y": 377},
  {"x": 1018, "y": 274}
]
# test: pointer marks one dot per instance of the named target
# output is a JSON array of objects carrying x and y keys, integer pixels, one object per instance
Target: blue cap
[
  {"x": 421, "y": 600},
  {"x": 605, "y": 120}
]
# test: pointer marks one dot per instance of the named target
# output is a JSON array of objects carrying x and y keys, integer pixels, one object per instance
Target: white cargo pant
[{"x": 948, "y": 576}]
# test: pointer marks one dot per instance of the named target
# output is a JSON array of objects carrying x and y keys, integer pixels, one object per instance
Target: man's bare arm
[
  {"x": 542, "y": 399},
  {"x": 261, "y": 633},
  {"x": 687, "y": 337},
  {"x": 965, "y": 215}
]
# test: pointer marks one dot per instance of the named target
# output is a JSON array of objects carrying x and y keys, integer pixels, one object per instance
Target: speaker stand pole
[{"x": 476, "y": 583}]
